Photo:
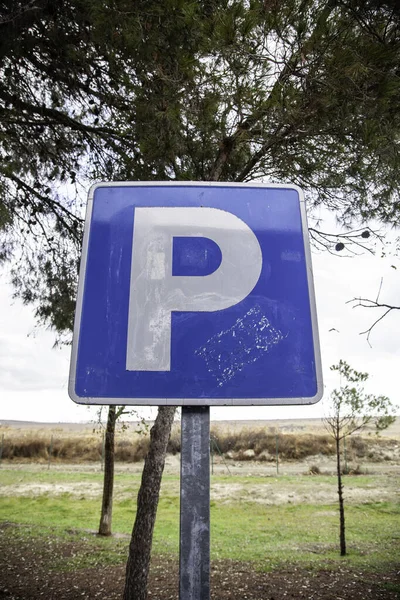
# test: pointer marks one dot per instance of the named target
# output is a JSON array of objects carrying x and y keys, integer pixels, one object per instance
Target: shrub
[
  {"x": 141, "y": 448},
  {"x": 174, "y": 444},
  {"x": 314, "y": 470},
  {"x": 357, "y": 470},
  {"x": 358, "y": 446},
  {"x": 124, "y": 451}
]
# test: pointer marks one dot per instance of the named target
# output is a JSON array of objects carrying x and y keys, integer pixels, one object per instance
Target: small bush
[
  {"x": 132, "y": 450},
  {"x": 141, "y": 448},
  {"x": 244, "y": 455},
  {"x": 314, "y": 470},
  {"x": 357, "y": 470},
  {"x": 124, "y": 451},
  {"x": 29, "y": 448},
  {"x": 358, "y": 446},
  {"x": 174, "y": 444}
]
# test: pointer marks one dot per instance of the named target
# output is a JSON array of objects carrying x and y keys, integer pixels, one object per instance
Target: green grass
[
  {"x": 271, "y": 536},
  {"x": 391, "y": 587},
  {"x": 64, "y": 511},
  {"x": 13, "y": 476},
  {"x": 303, "y": 533}
]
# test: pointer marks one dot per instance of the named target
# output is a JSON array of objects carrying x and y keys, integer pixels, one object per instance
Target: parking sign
[{"x": 195, "y": 294}]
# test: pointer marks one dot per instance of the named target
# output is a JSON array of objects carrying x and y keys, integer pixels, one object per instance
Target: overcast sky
[{"x": 34, "y": 375}]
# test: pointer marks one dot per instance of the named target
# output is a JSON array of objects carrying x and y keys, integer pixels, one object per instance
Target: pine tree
[{"x": 301, "y": 91}]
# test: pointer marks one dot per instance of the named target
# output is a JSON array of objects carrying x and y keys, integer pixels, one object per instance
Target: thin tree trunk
[
  {"x": 341, "y": 501},
  {"x": 137, "y": 568},
  {"x": 108, "y": 485}
]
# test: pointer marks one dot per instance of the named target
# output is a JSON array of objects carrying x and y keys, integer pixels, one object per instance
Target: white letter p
[{"x": 155, "y": 292}]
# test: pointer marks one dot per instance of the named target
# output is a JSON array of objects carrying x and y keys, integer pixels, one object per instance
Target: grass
[
  {"x": 278, "y": 535},
  {"x": 271, "y": 536},
  {"x": 25, "y": 475},
  {"x": 10, "y": 476}
]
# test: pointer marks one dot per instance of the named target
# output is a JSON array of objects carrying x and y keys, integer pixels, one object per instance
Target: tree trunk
[
  {"x": 108, "y": 485},
  {"x": 137, "y": 568},
  {"x": 341, "y": 501}
]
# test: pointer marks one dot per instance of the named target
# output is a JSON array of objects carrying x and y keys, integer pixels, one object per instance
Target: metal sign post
[
  {"x": 195, "y": 294},
  {"x": 194, "y": 556}
]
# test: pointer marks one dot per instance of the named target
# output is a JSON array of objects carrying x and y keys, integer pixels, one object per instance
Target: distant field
[
  {"x": 281, "y": 425},
  {"x": 297, "y": 426}
]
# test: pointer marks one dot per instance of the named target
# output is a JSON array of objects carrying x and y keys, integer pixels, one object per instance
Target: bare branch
[
  {"x": 367, "y": 303},
  {"x": 379, "y": 291}
]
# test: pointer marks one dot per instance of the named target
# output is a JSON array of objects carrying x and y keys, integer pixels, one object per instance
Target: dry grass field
[{"x": 232, "y": 442}]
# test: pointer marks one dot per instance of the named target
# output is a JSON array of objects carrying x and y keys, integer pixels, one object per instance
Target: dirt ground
[{"x": 27, "y": 572}]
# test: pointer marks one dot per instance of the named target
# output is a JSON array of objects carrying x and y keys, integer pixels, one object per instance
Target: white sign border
[{"x": 194, "y": 401}]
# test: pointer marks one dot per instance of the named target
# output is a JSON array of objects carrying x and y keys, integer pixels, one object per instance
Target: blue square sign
[{"x": 195, "y": 294}]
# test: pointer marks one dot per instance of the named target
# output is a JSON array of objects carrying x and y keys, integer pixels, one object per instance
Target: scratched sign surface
[{"x": 195, "y": 293}]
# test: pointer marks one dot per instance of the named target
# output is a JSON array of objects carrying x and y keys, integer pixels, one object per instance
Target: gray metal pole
[{"x": 194, "y": 578}]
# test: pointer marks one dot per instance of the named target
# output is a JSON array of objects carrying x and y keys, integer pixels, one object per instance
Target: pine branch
[
  {"x": 57, "y": 116},
  {"x": 28, "y": 10},
  {"x": 228, "y": 145},
  {"x": 55, "y": 207}
]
